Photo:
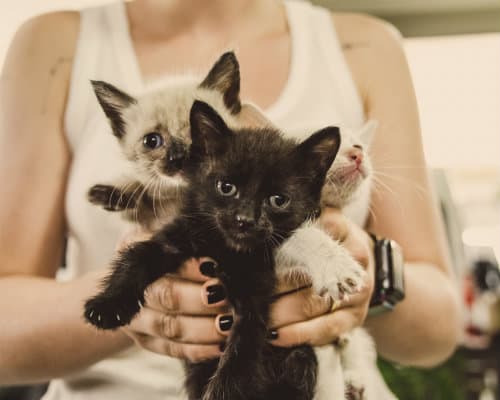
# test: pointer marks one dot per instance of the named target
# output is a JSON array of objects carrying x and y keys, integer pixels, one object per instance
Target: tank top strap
[
  {"x": 322, "y": 56},
  {"x": 323, "y": 26},
  {"x": 103, "y": 52}
]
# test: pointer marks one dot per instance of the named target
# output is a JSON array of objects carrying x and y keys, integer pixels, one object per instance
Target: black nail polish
[
  {"x": 225, "y": 322},
  {"x": 215, "y": 293},
  {"x": 207, "y": 268},
  {"x": 272, "y": 335}
]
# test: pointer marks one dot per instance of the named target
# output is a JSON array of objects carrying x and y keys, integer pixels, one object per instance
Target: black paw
[
  {"x": 109, "y": 197},
  {"x": 110, "y": 312}
]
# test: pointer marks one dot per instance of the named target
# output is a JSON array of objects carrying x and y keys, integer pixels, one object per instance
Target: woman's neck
[{"x": 162, "y": 19}]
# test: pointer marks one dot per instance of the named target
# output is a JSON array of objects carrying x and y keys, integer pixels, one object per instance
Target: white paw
[
  {"x": 354, "y": 386},
  {"x": 342, "y": 282}
]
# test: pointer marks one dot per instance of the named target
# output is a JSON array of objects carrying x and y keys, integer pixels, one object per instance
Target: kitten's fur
[
  {"x": 277, "y": 186},
  {"x": 310, "y": 251},
  {"x": 151, "y": 196}
]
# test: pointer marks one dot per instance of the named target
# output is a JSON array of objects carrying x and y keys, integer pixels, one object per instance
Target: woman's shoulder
[
  {"x": 373, "y": 49},
  {"x": 364, "y": 28},
  {"x": 57, "y": 23},
  {"x": 48, "y": 35}
]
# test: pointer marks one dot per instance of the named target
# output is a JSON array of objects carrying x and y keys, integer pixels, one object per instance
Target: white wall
[{"x": 457, "y": 81}]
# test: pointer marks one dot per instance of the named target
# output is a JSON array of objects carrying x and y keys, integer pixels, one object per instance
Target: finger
[
  {"x": 198, "y": 269},
  {"x": 224, "y": 323},
  {"x": 176, "y": 296},
  {"x": 361, "y": 298},
  {"x": 298, "y": 306},
  {"x": 317, "y": 331},
  {"x": 180, "y": 328},
  {"x": 192, "y": 352},
  {"x": 214, "y": 294}
]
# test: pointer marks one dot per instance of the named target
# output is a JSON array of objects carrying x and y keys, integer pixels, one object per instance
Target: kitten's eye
[
  {"x": 152, "y": 140},
  {"x": 226, "y": 188},
  {"x": 357, "y": 146},
  {"x": 279, "y": 201}
]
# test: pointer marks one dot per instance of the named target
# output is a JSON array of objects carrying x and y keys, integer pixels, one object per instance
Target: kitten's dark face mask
[{"x": 254, "y": 186}]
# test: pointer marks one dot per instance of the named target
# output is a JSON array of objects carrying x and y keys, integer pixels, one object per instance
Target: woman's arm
[
  {"x": 42, "y": 332},
  {"x": 423, "y": 329}
]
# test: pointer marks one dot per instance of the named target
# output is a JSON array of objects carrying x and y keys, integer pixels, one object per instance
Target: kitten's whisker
[
  {"x": 419, "y": 188},
  {"x": 139, "y": 198},
  {"x": 124, "y": 190},
  {"x": 134, "y": 212},
  {"x": 380, "y": 186}
]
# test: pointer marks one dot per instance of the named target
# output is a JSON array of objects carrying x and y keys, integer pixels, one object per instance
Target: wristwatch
[{"x": 389, "y": 288}]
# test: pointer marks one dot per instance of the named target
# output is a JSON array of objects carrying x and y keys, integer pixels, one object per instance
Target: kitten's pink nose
[{"x": 356, "y": 155}]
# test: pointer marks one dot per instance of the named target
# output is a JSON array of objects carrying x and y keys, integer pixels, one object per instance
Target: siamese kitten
[
  {"x": 237, "y": 207},
  {"x": 153, "y": 131}
]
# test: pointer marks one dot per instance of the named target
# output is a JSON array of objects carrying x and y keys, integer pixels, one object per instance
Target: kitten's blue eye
[
  {"x": 279, "y": 201},
  {"x": 152, "y": 140},
  {"x": 226, "y": 188}
]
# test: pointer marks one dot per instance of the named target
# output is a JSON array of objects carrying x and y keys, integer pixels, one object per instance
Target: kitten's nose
[
  {"x": 175, "y": 158},
  {"x": 356, "y": 155},
  {"x": 244, "y": 222}
]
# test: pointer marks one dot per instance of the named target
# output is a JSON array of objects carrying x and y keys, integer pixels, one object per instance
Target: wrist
[{"x": 388, "y": 289}]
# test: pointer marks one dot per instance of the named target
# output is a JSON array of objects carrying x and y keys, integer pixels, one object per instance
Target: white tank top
[{"x": 319, "y": 92}]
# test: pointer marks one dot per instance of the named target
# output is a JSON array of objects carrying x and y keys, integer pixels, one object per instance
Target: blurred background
[{"x": 453, "y": 49}]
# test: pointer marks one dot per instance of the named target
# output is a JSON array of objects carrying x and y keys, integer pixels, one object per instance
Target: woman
[{"x": 303, "y": 66}]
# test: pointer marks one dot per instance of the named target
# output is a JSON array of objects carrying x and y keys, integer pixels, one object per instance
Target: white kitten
[{"x": 310, "y": 252}]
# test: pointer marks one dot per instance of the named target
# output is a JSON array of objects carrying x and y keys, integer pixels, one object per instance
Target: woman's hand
[
  {"x": 302, "y": 316},
  {"x": 184, "y": 315}
]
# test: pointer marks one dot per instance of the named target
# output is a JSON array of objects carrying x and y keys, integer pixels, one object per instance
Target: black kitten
[{"x": 247, "y": 191}]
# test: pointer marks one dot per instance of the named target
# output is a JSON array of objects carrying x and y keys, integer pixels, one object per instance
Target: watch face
[
  {"x": 397, "y": 267},
  {"x": 389, "y": 277}
]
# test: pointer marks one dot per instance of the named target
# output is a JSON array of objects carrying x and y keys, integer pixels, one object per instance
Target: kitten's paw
[
  {"x": 354, "y": 391},
  {"x": 110, "y": 312},
  {"x": 295, "y": 276},
  {"x": 108, "y": 197},
  {"x": 343, "y": 282}
]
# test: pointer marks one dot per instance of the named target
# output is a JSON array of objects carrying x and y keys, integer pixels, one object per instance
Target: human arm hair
[
  {"x": 422, "y": 330},
  {"x": 42, "y": 332}
]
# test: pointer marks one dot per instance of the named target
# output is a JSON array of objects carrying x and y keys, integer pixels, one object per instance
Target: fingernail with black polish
[
  {"x": 207, "y": 268},
  {"x": 272, "y": 335},
  {"x": 225, "y": 322},
  {"x": 215, "y": 293}
]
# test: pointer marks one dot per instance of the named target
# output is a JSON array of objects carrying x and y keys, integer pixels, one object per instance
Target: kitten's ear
[
  {"x": 113, "y": 101},
  {"x": 225, "y": 78},
  {"x": 318, "y": 152},
  {"x": 367, "y": 132},
  {"x": 208, "y": 130},
  {"x": 252, "y": 116}
]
